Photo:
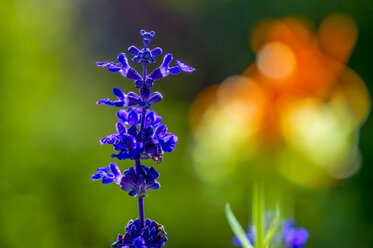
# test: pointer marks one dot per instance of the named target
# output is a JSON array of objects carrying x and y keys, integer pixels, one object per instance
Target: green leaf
[
  {"x": 275, "y": 224},
  {"x": 236, "y": 227}
]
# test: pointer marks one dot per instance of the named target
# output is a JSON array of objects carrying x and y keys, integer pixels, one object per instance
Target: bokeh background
[{"x": 50, "y": 124}]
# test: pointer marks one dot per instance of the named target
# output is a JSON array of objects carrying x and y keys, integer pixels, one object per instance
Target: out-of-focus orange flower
[{"x": 298, "y": 103}]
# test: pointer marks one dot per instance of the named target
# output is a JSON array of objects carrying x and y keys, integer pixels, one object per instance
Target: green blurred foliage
[{"x": 50, "y": 124}]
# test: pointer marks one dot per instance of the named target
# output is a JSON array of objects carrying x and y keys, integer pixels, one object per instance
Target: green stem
[{"x": 258, "y": 210}]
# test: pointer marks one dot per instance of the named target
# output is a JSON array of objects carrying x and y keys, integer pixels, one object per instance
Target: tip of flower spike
[{"x": 147, "y": 36}]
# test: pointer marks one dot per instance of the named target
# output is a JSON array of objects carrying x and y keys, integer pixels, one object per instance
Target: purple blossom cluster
[
  {"x": 132, "y": 142},
  {"x": 139, "y": 135},
  {"x": 152, "y": 235}
]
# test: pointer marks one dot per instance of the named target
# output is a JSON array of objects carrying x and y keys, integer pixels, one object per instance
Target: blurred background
[{"x": 303, "y": 127}]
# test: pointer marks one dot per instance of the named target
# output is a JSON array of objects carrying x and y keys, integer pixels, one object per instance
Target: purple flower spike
[
  {"x": 294, "y": 237},
  {"x": 108, "y": 174},
  {"x": 138, "y": 182},
  {"x": 139, "y": 135}
]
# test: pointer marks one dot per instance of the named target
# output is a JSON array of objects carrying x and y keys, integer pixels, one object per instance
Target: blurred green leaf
[
  {"x": 236, "y": 227},
  {"x": 275, "y": 224}
]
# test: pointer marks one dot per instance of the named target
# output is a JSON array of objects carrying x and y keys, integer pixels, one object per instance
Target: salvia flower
[
  {"x": 121, "y": 67},
  {"x": 294, "y": 237},
  {"x": 124, "y": 100},
  {"x": 151, "y": 235},
  {"x": 108, "y": 174},
  {"x": 138, "y": 182}
]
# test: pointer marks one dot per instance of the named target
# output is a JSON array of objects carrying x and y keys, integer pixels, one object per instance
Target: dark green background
[{"x": 50, "y": 124}]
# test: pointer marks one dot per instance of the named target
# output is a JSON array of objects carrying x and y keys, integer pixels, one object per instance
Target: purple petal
[
  {"x": 132, "y": 118},
  {"x": 139, "y": 83},
  {"x": 110, "y": 139},
  {"x": 96, "y": 176},
  {"x": 103, "y": 64},
  {"x": 145, "y": 92},
  {"x": 133, "y": 50},
  {"x": 115, "y": 169},
  {"x": 132, "y": 192},
  {"x": 132, "y": 74},
  {"x": 114, "y": 69},
  {"x": 184, "y": 67},
  {"x": 105, "y": 101},
  {"x": 236, "y": 241},
  {"x": 122, "y": 114},
  {"x": 132, "y": 99},
  {"x": 121, "y": 128},
  {"x": 174, "y": 70},
  {"x": 119, "y": 103},
  {"x": 149, "y": 119},
  {"x": 156, "y": 51},
  {"x": 160, "y": 130},
  {"x": 149, "y": 82},
  {"x": 133, "y": 130},
  {"x": 155, "y": 97},
  {"x": 300, "y": 237},
  {"x": 136, "y": 59},
  {"x": 154, "y": 186},
  {"x": 107, "y": 180},
  {"x": 156, "y": 74},
  {"x": 123, "y": 60},
  {"x": 119, "y": 94},
  {"x": 152, "y": 173},
  {"x": 171, "y": 136},
  {"x": 168, "y": 143},
  {"x": 167, "y": 60},
  {"x": 146, "y": 133}
]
